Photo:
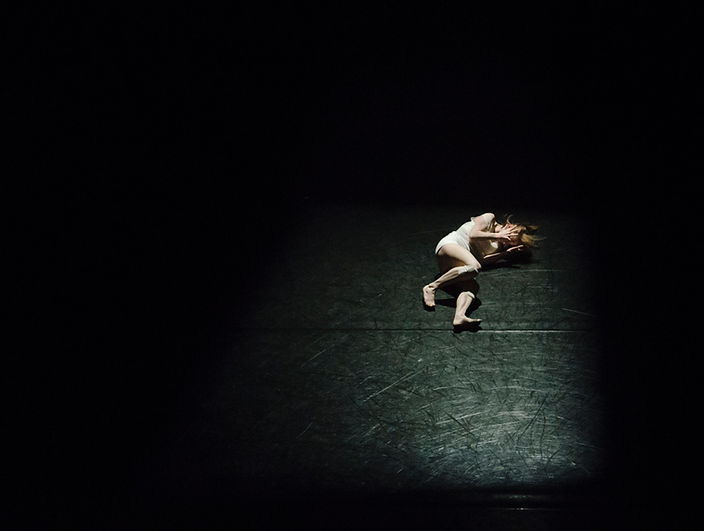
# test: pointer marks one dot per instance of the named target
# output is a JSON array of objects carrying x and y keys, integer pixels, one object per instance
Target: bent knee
[{"x": 475, "y": 268}]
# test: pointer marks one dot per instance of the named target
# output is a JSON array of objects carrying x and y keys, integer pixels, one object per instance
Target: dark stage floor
[
  {"x": 333, "y": 384},
  {"x": 233, "y": 215}
]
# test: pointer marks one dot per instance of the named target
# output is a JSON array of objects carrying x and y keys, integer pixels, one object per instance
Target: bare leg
[
  {"x": 461, "y": 320},
  {"x": 456, "y": 274},
  {"x": 457, "y": 265}
]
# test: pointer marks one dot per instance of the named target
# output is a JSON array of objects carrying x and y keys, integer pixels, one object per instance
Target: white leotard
[{"x": 461, "y": 237}]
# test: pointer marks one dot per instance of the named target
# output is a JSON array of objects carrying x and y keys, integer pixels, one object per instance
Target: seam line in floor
[{"x": 362, "y": 329}]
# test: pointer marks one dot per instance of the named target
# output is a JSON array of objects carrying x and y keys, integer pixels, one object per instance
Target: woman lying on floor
[{"x": 463, "y": 252}]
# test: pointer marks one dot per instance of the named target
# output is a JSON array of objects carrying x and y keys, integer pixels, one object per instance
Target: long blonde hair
[{"x": 526, "y": 233}]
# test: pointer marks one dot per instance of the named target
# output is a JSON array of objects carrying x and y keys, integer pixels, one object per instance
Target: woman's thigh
[{"x": 453, "y": 255}]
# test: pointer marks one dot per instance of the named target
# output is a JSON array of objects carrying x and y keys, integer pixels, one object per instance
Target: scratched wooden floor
[{"x": 338, "y": 382}]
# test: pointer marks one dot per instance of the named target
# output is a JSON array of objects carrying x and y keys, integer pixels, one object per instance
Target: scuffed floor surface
[{"x": 338, "y": 382}]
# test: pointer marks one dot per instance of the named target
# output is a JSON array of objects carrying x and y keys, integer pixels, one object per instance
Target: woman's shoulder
[
  {"x": 483, "y": 220},
  {"x": 467, "y": 225},
  {"x": 485, "y": 216}
]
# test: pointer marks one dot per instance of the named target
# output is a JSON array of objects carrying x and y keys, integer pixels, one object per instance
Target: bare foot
[
  {"x": 429, "y": 296},
  {"x": 465, "y": 323}
]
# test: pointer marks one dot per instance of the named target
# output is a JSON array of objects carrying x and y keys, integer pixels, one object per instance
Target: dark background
[{"x": 164, "y": 155}]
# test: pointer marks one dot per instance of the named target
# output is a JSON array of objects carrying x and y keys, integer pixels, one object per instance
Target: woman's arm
[
  {"x": 481, "y": 234},
  {"x": 511, "y": 252},
  {"x": 483, "y": 226},
  {"x": 493, "y": 258}
]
